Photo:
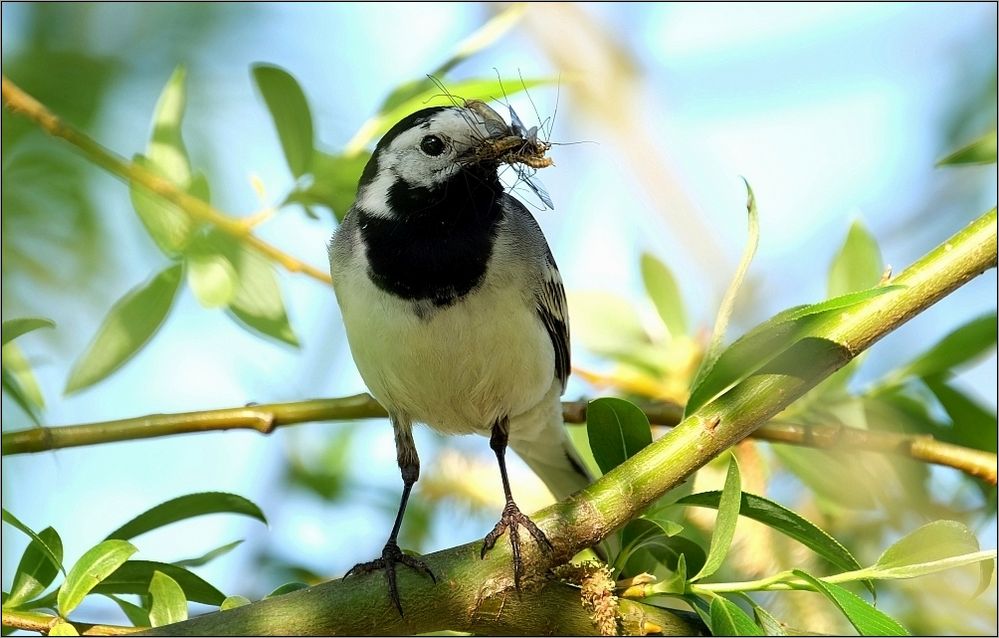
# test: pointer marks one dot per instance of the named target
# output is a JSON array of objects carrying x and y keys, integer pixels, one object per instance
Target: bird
[{"x": 455, "y": 311}]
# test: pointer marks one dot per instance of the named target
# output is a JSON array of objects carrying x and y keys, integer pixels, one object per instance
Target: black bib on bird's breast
[{"x": 437, "y": 245}]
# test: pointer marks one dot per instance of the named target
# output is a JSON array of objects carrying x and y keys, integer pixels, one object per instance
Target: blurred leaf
[
  {"x": 37, "y": 570},
  {"x": 664, "y": 292},
  {"x": 166, "y": 148},
  {"x": 728, "y": 516},
  {"x": 290, "y": 111},
  {"x": 714, "y": 349},
  {"x": 136, "y": 615},
  {"x": 208, "y": 556},
  {"x": 473, "y": 89},
  {"x": 286, "y": 588},
  {"x": 728, "y": 619},
  {"x": 865, "y": 617},
  {"x": 785, "y": 521},
  {"x": 234, "y": 601},
  {"x": 212, "y": 278},
  {"x": 63, "y": 628},
  {"x": 169, "y": 226},
  {"x": 334, "y": 183},
  {"x": 188, "y": 506},
  {"x": 134, "y": 577},
  {"x": 973, "y": 425},
  {"x": 14, "y": 328},
  {"x": 858, "y": 263},
  {"x": 54, "y": 554},
  {"x": 959, "y": 347},
  {"x": 838, "y": 483},
  {"x": 128, "y": 326},
  {"x": 96, "y": 564},
  {"x": 617, "y": 430},
  {"x": 981, "y": 151},
  {"x": 257, "y": 303},
  {"x": 19, "y": 381},
  {"x": 605, "y": 323},
  {"x": 168, "y": 602},
  {"x": 483, "y": 37}
]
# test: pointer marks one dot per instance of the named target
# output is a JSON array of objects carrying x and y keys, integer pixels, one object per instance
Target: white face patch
[{"x": 407, "y": 157}]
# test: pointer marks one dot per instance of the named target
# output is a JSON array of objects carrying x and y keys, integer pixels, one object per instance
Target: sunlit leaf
[
  {"x": 868, "y": 620},
  {"x": 184, "y": 507},
  {"x": 14, "y": 328},
  {"x": 858, "y": 263},
  {"x": 207, "y": 557},
  {"x": 19, "y": 381},
  {"x": 94, "y": 566},
  {"x": 168, "y": 602},
  {"x": 980, "y": 151},
  {"x": 134, "y": 576},
  {"x": 169, "y": 226},
  {"x": 728, "y": 619},
  {"x": 128, "y": 326},
  {"x": 212, "y": 278},
  {"x": 664, "y": 292},
  {"x": 54, "y": 554},
  {"x": 36, "y": 571},
  {"x": 234, "y": 601},
  {"x": 617, "y": 430},
  {"x": 728, "y": 517},
  {"x": 63, "y": 628},
  {"x": 290, "y": 111},
  {"x": 334, "y": 184}
]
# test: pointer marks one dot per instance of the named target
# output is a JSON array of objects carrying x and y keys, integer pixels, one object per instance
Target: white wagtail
[{"x": 454, "y": 307}]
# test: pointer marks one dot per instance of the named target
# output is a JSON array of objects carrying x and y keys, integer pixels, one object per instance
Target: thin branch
[
  {"x": 467, "y": 585},
  {"x": 23, "y": 104},
  {"x": 43, "y": 623},
  {"x": 265, "y": 418}
]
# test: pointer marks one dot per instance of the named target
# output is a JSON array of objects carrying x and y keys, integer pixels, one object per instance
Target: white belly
[{"x": 459, "y": 370}]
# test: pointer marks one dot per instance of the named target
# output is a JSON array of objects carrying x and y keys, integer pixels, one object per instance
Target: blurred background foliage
[{"x": 833, "y": 113}]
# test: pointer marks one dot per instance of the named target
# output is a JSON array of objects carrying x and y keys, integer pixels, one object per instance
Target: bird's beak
[{"x": 501, "y": 144}]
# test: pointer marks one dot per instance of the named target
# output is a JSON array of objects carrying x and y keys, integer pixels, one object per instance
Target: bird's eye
[{"x": 432, "y": 145}]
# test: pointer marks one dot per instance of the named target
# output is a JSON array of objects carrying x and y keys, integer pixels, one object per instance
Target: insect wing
[
  {"x": 535, "y": 185},
  {"x": 516, "y": 126}
]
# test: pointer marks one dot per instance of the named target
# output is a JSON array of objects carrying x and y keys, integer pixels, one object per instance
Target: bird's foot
[
  {"x": 392, "y": 555},
  {"x": 510, "y": 520}
]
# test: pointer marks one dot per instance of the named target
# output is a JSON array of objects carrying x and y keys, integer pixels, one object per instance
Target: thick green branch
[
  {"x": 21, "y": 103},
  {"x": 467, "y": 585}
]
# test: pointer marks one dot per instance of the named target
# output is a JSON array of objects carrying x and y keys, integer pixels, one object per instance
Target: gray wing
[{"x": 552, "y": 309}]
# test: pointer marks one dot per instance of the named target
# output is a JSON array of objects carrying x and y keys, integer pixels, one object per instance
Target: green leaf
[
  {"x": 166, "y": 148},
  {"x": 766, "y": 621},
  {"x": 37, "y": 570},
  {"x": 606, "y": 323},
  {"x": 857, "y": 265},
  {"x": 19, "y": 381},
  {"x": 212, "y": 278},
  {"x": 184, "y": 507},
  {"x": 290, "y": 111},
  {"x": 714, "y": 349},
  {"x": 617, "y": 430},
  {"x": 286, "y": 588},
  {"x": 168, "y": 602},
  {"x": 96, "y": 564},
  {"x": 54, "y": 554},
  {"x": 664, "y": 292},
  {"x": 257, "y": 303},
  {"x": 334, "y": 183},
  {"x": 980, "y": 151},
  {"x": 128, "y": 326},
  {"x": 14, "y": 328},
  {"x": 728, "y": 619},
  {"x": 965, "y": 344},
  {"x": 973, "y": 424},
  {"x": 134, "y": 577},
  {"x": 169, "y": 226},
  {"x": 484, "y": 36},
  {"x": 208, "y": 556},
  {"x": 136, "y": 615},
  {"x": 728, "y": 516},
  {"x": 63, "y": 628},
  {"x": 234, "y": 601},
  {"x": 868, "y": 620}
]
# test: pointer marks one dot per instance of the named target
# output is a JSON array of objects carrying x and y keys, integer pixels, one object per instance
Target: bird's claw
[
  {"x": 511, "y": 519},
  {"x": 390, "y": 556}
]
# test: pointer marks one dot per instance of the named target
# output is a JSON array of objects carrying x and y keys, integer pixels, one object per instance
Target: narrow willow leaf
[
  {"x": 54, "y": 554},
  {"x": 13, "y": 388},
  {"x": 37, "y": 570},
  {"x": 664, "y": 292},
  {"x": 857, "y": 265},
  {"x": 207, "y": 557},
  {"x": 14, "y": 328},
  {"x": 728, "y": 516},
  {"x": 868, "y": 620},
  {"x": 184, "y": 507},
  {"x": 168, "y": 602},
  {"x": 169, "y": 226},
  {"x": 714, "y": 349},
  {"x": 980, "y": 151},
  {"x": 136, "y": 615},
  {"x": 677, "y": 553},
  {"x": 291, "y": 114},
  {"x": 63, "y": 628},
  {"x": 94, "y": 566},
  {"x": 973, "y": 425},
  {"x": 128, "y": 326},
  {"x": 962, "y": 346},
  {"x": 617, "y": 429},
  {"x": 257, "y": 303},
  {"x": 483, "y": 37},
  {"x": 212, "y": 278},
  {"x": 134, "y": 577},
  {"x": 766, "y": 621},
  {"x": 286, "y": 588},
  {"x": 16, "y": 365},
  {"x": 728, "y": 619},
  {"x": 234, "y": 601},
  {"x": 334, "y": 183}
]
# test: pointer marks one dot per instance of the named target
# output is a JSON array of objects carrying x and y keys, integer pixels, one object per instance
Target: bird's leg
[
  {"x": 512, "y": 516},
  {"x": 409, "y": 464}
]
